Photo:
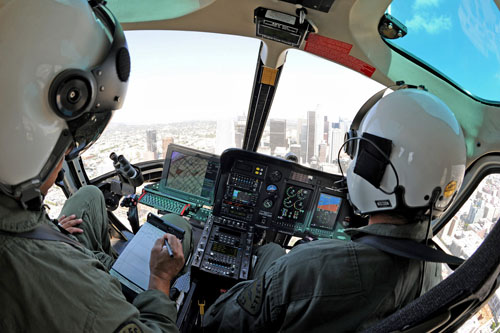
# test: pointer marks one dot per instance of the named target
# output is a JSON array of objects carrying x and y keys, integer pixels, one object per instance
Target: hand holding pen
[
  {"x": 169, "y": 249},
  {"x": 166, "y": 261}
]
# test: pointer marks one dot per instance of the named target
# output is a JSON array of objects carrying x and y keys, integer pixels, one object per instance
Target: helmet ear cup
[
  {"x": 350, "y": 146},
  {"x": 72, "y": 93}
]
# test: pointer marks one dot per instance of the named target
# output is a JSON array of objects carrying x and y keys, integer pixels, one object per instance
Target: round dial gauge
[
  {"x": 275, "y": 176},
  {"x": 301, "y": 194},
  {"x": 288, "y": 202},
  {"x": 271, "y": 188},
  {"x": 298, "y": 205},
  {"x": 268, "y": 203},
  {"x": 291, "y": 191}
]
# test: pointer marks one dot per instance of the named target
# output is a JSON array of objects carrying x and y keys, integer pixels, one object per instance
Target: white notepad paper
[{"x": 133, "y": 264}]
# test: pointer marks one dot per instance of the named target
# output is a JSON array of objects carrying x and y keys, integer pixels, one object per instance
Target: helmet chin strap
[{"x": 434, "y": 198}]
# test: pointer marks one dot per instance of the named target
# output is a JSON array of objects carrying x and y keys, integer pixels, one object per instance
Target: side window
[
  {"x": 465, "y": 233},
  {"x": 54, "y": 200}
]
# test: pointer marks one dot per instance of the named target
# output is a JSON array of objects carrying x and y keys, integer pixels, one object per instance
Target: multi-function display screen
[
  {"x": 242, "y": 196},
  {"x": 326, "y": 211},
  {"x": 294, "y": 204},
  {"x": 192, "y": 175},
  {"x": 224, "y": 249}
]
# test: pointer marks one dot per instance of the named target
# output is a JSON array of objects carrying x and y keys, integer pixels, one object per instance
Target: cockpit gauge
[
  {"x": 288, "y": 202},
  {"x": 294, "y": 204},
  {"x": 299, "y": 205},
  {"x": 275, "y": 176},
  {"x": 291, "y": 191},
  {"x": 268, "y": 203},
  {"x": 301, "y": 194},
  {"x": 271, "y": 189}
]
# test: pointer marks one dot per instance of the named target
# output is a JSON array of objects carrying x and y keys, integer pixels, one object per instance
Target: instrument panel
[
  {"x": 257, "y": 193},
  {"x": 276, "y": 194}
]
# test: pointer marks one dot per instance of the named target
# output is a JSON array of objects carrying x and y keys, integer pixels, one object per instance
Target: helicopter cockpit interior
[{"x": 252, "y": 153}]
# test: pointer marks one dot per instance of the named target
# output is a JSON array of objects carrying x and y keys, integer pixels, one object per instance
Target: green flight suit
[
  {"x": 324, "y": 286},
  {"x": 51, "y": 286}
]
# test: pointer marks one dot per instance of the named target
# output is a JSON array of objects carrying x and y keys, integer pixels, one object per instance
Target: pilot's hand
[
  {"x": 162, "y": 267},
  {"x": 69, "y": 223}
]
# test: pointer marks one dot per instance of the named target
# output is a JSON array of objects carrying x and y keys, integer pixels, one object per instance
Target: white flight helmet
[
  {"x": 419, "y": 160},
  {"x": 64, "y": 67}
]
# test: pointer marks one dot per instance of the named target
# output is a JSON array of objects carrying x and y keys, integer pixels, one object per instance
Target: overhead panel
[{"x": 281, "y": 27}]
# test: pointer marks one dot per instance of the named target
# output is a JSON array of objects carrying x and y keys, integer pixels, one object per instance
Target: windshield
[
  {"x": 187, "y": 88},
  {"x": 460, "y": 39},
  {"x": 314, "y": 105}
]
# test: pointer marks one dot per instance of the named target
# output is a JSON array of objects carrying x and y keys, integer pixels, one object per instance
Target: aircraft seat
[{"x": 449, "y": 304}]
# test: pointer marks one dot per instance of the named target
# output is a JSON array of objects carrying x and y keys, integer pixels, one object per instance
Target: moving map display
[
  {"x": 192, "y": 174},
  {"x": 326, "y": 212}
]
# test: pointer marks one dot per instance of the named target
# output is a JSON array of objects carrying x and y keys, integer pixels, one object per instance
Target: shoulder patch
[
  {"x": 250, "y": 298},
  {"x": 129, "y": 327}
]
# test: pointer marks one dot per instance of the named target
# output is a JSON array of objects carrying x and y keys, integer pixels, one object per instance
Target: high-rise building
[
  {"x": 326, "y": 129},
  {"x": 165, "y": 142},
  {"x": 337, "y": 140},
  {"x": 311, "y": 135},
  {"x": 151, "y": 142},
  {"x": 277, "y": 133},
  {"x": 315, "y": 131},
  {"x": 322, "y": 152},
  {"x": 295, "y": 148},
  {"x": 239, "y": 131}
]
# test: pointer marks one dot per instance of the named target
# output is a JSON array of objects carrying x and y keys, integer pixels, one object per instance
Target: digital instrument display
[
  {"x": 243, "y": 166},
  {"x": 300, "y": 177},
  {"x": 326, "y": 211},
  {"x": 224, "y": 249},
  {"x": 294, "y": 203},
  {"x": 191, "y": 174},
  {"x": 242, "y": 196}
]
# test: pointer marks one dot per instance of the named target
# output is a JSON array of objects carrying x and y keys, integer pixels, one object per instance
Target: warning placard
[{"x": 337, "y": 51}]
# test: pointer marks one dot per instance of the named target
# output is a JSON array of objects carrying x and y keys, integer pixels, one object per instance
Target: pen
[{"x": 169, "y": 249}]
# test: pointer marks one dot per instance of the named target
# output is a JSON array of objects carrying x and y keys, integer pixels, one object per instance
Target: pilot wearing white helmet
[
  {"x": 64, "y": 69},
  {"x": 408, "y": 161}
]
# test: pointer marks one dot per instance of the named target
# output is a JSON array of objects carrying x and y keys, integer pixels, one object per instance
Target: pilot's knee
[
  {"x": 178, "y": 221},
  {"x": 89, "y": 193},
  {"x": 270, "y": 249}
]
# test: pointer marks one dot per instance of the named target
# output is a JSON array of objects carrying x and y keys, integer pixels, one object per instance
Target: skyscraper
[
  {"x": 277, "y": 134},
  {"x": 239, "y": 131},
  {"x": 315, "y": 131},
  {"x": 337, "y": 139},
  {"x": 311, "y": 135},
  {"x": 326, "y": 129},
  {"x": 323, "y": 152},
  {"x": 165, "y": 142},
  {"x": 151, "y": 142}
]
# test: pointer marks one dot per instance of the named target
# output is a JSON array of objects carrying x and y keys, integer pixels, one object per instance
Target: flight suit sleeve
[{"x": 157, "y": 313}]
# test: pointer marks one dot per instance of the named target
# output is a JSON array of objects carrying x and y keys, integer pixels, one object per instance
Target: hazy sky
[
  {"x": 186, "y": 75},
  {"x": 180, "y": 76}
]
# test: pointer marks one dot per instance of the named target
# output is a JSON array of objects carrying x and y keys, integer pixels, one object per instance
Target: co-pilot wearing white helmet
[
  {"x": 64, "y": 69},
  {"x": 408, "y": 163}
]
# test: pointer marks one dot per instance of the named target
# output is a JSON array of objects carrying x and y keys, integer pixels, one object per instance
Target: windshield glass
[
  {"x": 152, "y": 10},
  {"x": 460, "y": 39},
  {"x": 187, "y": 88},
  {"x": 314, "y": 105}
]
